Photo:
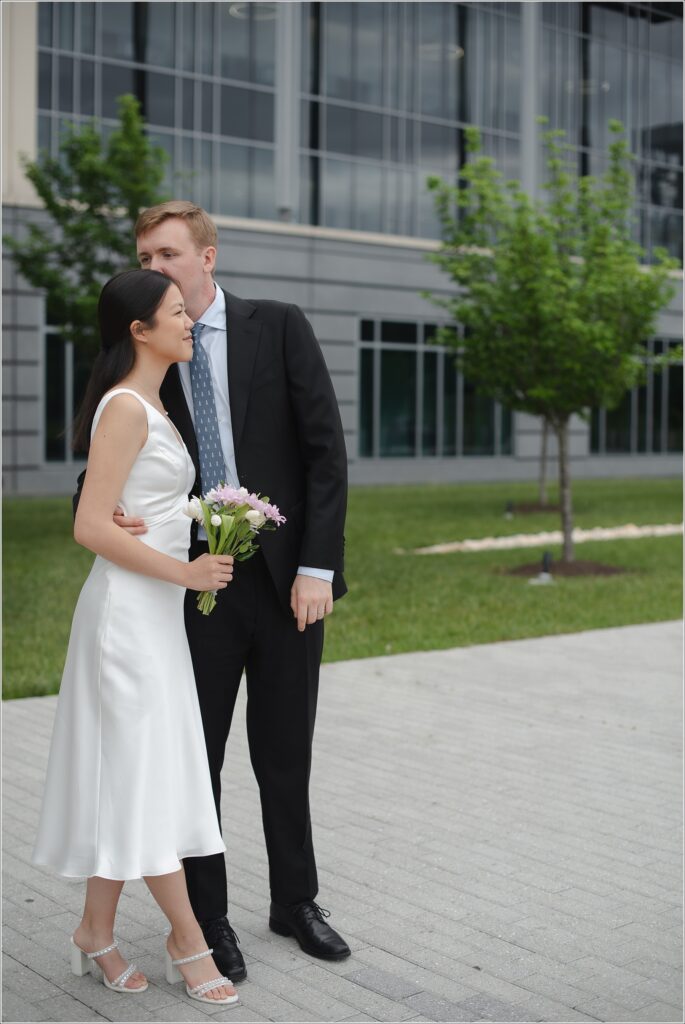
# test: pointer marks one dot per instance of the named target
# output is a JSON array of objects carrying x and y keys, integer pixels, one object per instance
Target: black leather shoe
[
  {"x": 306, "y": 922},
  {"x": 221, "y": 938}
]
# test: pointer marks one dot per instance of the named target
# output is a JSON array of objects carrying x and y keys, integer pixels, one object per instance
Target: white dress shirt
[{"x": 213, "y": 338}]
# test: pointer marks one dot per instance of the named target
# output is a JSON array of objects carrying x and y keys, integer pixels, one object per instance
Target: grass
[{"x": 395, "y": 602}]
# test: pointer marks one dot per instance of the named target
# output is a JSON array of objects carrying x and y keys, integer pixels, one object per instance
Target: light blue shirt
[{"x": 214, "y": 343}]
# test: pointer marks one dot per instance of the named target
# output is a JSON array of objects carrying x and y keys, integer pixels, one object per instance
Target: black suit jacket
[{"x": 287, "y": 435}]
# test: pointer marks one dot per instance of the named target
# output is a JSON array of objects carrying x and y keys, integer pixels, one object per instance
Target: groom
[{"x": 257, "y": 392}]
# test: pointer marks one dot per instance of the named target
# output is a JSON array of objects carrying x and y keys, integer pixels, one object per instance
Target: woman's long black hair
[{"x": 131, "y": 295}]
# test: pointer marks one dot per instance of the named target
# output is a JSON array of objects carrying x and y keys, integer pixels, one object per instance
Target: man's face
[{"x": 171, "y": 249}]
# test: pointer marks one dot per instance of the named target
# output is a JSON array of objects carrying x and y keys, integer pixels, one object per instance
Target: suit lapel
[{"x": 242, "y": 339}]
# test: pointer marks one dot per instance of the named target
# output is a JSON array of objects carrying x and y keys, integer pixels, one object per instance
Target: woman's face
[{"x": 170, "y": 338}]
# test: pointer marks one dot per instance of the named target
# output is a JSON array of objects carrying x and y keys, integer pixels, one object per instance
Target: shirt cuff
[{"x": 321, "y": 574}]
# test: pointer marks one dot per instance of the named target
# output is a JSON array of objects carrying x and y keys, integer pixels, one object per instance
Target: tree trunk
[
  {"x": 565, "y": 491},
  {"x": 542, "y": 493}
]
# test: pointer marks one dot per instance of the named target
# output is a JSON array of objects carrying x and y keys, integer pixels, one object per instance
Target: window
[
  {"x": 203, "y": 72},
  {"x": 414, "y": 403},
  {"x": 66, "y": 377},
  {"x": 648, "y": 419}
]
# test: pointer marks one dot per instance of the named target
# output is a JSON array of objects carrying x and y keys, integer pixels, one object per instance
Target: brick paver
[{"x": 497, "y": 830}]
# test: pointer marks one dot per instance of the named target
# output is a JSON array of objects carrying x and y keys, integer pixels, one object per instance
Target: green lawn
[{"x": 395, "y": 602}]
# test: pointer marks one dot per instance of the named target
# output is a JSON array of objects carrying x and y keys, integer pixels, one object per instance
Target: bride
[{"x": 128, "y": 792}]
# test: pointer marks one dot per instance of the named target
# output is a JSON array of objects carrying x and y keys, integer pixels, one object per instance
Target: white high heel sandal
[
  {"x": 81, "y": 964},
  {"x": 173, "y": 975}
]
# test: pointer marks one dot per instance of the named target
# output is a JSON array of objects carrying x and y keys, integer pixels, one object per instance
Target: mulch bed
[{"x": 578, "y": 568}]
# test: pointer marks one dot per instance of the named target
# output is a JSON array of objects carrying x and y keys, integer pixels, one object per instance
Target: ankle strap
[
  {"x": 192, "y": 959},
  {"x": 101, "y": 952}
]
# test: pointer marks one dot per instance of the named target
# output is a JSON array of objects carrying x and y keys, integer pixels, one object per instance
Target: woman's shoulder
[{"x": 123, "y": 406}]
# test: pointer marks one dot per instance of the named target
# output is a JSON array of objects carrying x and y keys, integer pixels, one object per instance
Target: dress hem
[{"x": 153, "y": 873}]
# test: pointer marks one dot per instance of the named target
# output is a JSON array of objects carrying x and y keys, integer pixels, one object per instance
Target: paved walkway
[{"x": 497, "y": 830}]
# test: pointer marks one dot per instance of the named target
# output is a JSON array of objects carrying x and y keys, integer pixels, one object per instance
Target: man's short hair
[{"x": 200, "y": 224}]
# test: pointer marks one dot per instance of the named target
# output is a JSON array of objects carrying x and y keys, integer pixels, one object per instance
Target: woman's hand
[{"x": 209, "y": 572}]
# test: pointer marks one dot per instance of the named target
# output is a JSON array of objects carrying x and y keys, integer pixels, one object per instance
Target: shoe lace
[
  {"x": 312, "y": 909},
  {"x": 215, "y": 931}
]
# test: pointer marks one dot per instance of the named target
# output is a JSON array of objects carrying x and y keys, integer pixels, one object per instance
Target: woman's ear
[{"x": 137, "y": 329}]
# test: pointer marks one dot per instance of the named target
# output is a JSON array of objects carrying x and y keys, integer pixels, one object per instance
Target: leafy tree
[
  {"x": 554, "y": 296},
  {"x": 92, "y": 195}
]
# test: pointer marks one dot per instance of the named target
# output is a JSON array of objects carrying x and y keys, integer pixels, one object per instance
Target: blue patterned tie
[{"x": 212, "y": 468}]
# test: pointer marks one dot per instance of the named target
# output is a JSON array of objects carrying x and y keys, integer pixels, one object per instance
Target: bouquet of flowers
[{"x": 232, "y": 518}]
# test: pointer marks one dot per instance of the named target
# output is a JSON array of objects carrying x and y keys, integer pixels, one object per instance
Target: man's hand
[
  {"x": 131, "y": 524},
  {"x": 310, "y": 599}
]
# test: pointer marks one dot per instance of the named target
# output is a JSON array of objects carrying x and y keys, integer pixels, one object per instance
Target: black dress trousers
[{"x": 250, "y": 629}]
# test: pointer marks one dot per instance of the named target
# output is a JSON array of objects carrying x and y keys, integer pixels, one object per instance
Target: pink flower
[{"x": 233, "y": 496}]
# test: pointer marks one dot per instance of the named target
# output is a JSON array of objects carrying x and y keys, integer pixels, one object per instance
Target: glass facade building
[{"x": 318, "y": 124}]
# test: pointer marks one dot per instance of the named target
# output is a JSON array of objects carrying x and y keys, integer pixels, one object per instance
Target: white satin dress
[{"x": 128, "y": 791}]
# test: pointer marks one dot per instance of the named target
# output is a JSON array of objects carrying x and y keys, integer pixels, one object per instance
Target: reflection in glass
[
  {"x": 247, "y": 114},
  {"x": 87, "y": 98},
  {"x": 505, "y": 440},
  {"x": 87, "y": 13},
  {"x": 642, "y": 394},
  {"x": 595, "y": 415},
  {"x": 449, "y": 407},
  {"x": 398, "y": 403},
  {"x": 234, "y": 44},
  {"x": 429, "y": 435},
  {"x": 117, "y": 30},
  {"x": 65, "y": 26},
  {"x": 512, "y": 76},
  {"x": 65, "y": 84},
  {"x": 337, "y": 193},
  {"x": 206, "y": 107},
  {"x": 158, "y": 99},
  {"x": 115, "y": 82},
  {"x": 45, "y": 24},
  {"x": 44, "y": 81},
  {"x": 479, "y": 422},
  {"x": 667, "y": 187},
  {"x": 187, "y": 103},
  {"x": 263, "y": 197},
  {"x": 439, "y": 147},
  {"x": 618, "y": 426},
  {"x": 55, "y": 398},
  {"x": 204, "y": 14},
  {"x": 44, "y": 133},
  {"x": 159, "y": 34},
  {"x": 186, "y": 33},
  {"x": 339, "y": 129},
  {"x": 366, "y": 402},
  {"x": 368, "y": 47},
  {"x": 657, "y": 402},
  {"x": 399, "y": 332},
  {"x": 165, "y": 141},
  {"x": 674, "y": 420},
  {"x": 369, "y": 197},
  {"x": 234, "y": 179},
  {"x": 338, "y": 49},
  {"x": 492, "y": 27}
]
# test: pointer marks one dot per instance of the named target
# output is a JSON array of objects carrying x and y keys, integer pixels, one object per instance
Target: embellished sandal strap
[
  {"x": 120, "y": 982},
  {"x": 101, "y": 952},
  {"x": 200, "y": 990},
  {"x": 192, "y": 959}
]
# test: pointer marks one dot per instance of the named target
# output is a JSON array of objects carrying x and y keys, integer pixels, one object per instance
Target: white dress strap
[{"x": 105, "y": 399}]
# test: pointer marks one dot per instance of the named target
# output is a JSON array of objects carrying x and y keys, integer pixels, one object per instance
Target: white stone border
[{"x": 535, "y": 540}]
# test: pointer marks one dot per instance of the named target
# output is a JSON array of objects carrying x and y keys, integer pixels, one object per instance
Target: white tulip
[
  {"x": 194, "y": 509},
  {"x": 215, "y": 520},
  {"x": 255, "y": 518}
]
